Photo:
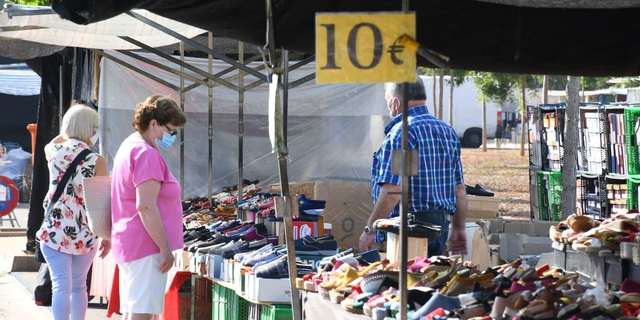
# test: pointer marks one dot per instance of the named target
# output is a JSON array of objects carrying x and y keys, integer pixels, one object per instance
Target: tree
[
  {"x": 523, "y": 92},
  {"x": 570, "y": 143},
  {"x": 433, "y": 73},
  {"x": 441, "y": 95},
  {"x": 495, "y": 86}
]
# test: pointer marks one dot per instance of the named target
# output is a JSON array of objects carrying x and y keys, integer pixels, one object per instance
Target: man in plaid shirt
[{"x": 438, "y": 191}]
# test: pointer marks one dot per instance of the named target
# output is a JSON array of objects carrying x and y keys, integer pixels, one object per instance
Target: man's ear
[{"x": 395, "y": 105}]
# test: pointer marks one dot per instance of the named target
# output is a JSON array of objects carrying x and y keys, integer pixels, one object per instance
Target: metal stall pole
[
  {"x": 290, "y": 204},
  {"x": 182, "y": 129},
  {"x": 285, "y": 94},
  {"x": 60, "y": 93},
  {"x": 404, "y": 186},
  {"x": 210, "y": 123},
  {"x": 192, "y": 312},
  {"x": 277, "y": 121},
  {"x": 240, "y": 122}
]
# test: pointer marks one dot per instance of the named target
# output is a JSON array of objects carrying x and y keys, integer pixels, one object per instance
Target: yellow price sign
[{"x": 365, "y": 47}]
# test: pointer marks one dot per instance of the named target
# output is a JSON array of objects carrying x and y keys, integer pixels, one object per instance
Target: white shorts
[{"x": 142, "y": 286}]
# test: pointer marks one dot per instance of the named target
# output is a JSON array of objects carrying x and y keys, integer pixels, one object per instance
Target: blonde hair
[{"x": 79, "y": 122}]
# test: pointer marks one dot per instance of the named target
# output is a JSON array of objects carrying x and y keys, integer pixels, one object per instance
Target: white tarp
[
  {"x": 333, "y": 129},
  {"x": 19, "y": 80},
  {"x": 52, "y": 30}
]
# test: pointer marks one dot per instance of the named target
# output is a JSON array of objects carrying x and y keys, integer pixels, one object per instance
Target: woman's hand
[
  {"x": 105, "y": 247},
  {"x": 167, "y": 260}
]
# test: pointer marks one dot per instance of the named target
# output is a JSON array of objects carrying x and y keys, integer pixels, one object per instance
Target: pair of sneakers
[
  {"x": 264, "y": 256},
  {"x": 324, "y": 245},
  {"x": 279, "y": 268}
]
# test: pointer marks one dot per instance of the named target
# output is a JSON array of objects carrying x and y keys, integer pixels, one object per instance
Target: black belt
[{"x": 446, "y": 215}]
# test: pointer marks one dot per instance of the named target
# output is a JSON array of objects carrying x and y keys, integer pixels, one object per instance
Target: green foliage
[
  {"x": 588, "y": 83},
  {"x": 595, "y": 83},
  {"x": 495, "y": 86},
  {"x": 32, "y": 2},
  {"x": 458, "y": 76}
]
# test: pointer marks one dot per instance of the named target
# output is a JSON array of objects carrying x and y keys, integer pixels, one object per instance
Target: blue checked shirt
[{"x": 440, "y": 169}]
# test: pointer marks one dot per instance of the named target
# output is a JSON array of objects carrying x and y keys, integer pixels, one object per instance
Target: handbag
[
  {"x": 62, "y": 184},
  {"x": 97, "y": 197}
]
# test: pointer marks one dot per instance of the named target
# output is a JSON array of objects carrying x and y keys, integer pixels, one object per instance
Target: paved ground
[{"x": 16, "y": 289}]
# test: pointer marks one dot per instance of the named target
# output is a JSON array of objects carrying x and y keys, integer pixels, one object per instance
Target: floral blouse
[{"x": 66, "y": 228}]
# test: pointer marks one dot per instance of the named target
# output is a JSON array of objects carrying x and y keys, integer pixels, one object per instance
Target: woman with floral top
[{"x": 66, "y": 242}]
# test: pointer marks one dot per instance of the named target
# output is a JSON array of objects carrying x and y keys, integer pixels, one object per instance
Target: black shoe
[
  {"x": 30, "y": 247},
  {"x": 478, "y": 190}
]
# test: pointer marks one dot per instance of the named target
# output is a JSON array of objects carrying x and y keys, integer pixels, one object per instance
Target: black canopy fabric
[
  {"x": 17, "y": 112},
  {"x": 581, "y": 38},
  {"x": 48, "y": 127}
]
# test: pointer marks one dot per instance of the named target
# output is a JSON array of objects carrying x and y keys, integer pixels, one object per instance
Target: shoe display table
[
  {"x": 316, "y": 308},
  {"x": 605, "y": 269}
]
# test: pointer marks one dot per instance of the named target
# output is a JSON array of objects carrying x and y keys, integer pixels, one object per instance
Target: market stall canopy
[
  {"x": 42, "y": 25},
  {"x": 585, "y": 37}
]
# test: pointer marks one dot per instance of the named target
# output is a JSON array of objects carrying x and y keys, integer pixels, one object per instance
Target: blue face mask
[{"x": 166, "y": 141}]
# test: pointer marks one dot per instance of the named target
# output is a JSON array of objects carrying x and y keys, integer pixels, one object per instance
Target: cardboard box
[
  {"x": 238, "y": 279},
  {"x": 215, "y": 264},
  {"x": 271, "y": 290},
  {"x": 302, "y": 229},
  {"x": 348, "y": 205},
  {"x": 249, "y": 285},
  {"x": 505, "y": 240},
  {"x": 303, "y": 187}
]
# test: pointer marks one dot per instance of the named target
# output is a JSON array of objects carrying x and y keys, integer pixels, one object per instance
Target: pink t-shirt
[{"x": 136, "y": 162}]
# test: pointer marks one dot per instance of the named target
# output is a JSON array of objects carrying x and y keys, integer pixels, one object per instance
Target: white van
[{"x": 467, "y": 110}]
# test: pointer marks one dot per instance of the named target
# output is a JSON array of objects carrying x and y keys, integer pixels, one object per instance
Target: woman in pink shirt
[{"x": 146, "y": 208}]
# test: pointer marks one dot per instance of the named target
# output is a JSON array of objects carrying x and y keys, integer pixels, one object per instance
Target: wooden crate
[
  {"x": 482, "y": 207},
  {"x": 418, "y": 247}
]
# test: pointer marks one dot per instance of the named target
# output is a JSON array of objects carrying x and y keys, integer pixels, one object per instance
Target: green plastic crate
[
  {"x": 275, "y": 312},
  {"x": 238, "y": 307},
  {"x": 543, "y": 207},
  {"x": 219, "y": 309},
  {"x": 227, "y": 305},
  {"x": 632, "y": 188},
  {"x": 631, "y": 114},
  {"x": 549, "y": 185}
]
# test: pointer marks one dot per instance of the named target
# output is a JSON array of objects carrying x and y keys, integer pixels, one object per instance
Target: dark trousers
[{"x": 437, "y": 217}]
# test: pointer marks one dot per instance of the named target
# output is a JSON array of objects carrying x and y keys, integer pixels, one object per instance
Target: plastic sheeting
[
  {"x": 12, "y": 165},
  {"x": 52, "y": 30},
  {"x": 19, "y": 80},
  {"x": 333, "y": 130}
]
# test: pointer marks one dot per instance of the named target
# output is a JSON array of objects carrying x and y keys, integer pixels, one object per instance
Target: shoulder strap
[{"x": 67, "y": 175}]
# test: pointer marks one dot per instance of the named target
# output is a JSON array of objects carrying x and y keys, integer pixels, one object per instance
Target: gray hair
[
  {"x": 415, "y": 90},
  {"x": 79, "y": 122}
]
